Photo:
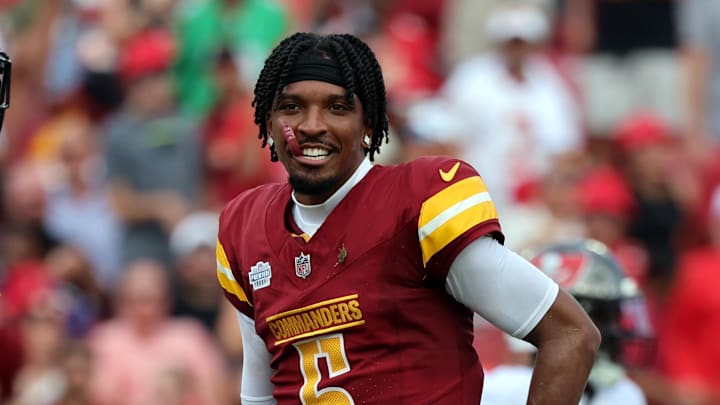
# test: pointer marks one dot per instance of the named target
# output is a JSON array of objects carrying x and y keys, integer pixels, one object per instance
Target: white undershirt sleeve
[
  {"x": 256, "y": 387},
  {"x": 501, "y": 286}
]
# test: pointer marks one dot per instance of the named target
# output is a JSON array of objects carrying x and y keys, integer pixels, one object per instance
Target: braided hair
[{"x": 361, "y": 71}]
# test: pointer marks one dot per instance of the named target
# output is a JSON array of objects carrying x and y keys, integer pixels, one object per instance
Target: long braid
[
  {"x": 371, "y": 89},
  {"x": 361, "y": 71},
  {"x": 373, "y": 79}
]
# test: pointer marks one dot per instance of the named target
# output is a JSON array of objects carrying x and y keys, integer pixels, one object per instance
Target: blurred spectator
[
  {"x": 230, "y": 340},
  {"x": 549, "y": 213},
  {"x": 78, "y": 208},
  {"x": 77, "y": 367},
  {"x": 84, "y": 302},
  {"x": 463, "y": 32},
  {"x": 143, "y": 355},
  {"x": 28, "y": 25},
  {"x": 152, "y": 152},
  {"x": 41, "y": 381},
  {"x": 689, "y": 353},
  {"x": 196, "y": 292},
  {"x": 232, "y": 161},
  {"x": 665, "y": 190},
  {"x": 64, "y": 70},
  {"x": 405, "y": 45},
  {"x": 508, "y": 113},
  {"x": 607, "y": 204},
  {"x": 403, "y": 34},
  {"x": 24, "y": 201},
  {"x": 10, "y": 357},
  {"x": 252, "y": 27},
  {"x": 700, "y": 46},
  {"x": 588, "y": 271},
  {"x": 24, "y": 274},
  {"x": 23, "y": 278},
  {"x": 621, "y": 68},
  {"x": 124, "y": 19}
]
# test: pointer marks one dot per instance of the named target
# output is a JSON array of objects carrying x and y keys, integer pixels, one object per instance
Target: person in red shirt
[
  {"x": 688, "y": 347},
  {"x": 357, "y": 283},
  {"x": 228, "y": 136},
  {"x": 608, "y": 205}
]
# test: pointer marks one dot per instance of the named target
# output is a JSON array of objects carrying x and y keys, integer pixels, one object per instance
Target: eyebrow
[{"x": 330, "y": 98}]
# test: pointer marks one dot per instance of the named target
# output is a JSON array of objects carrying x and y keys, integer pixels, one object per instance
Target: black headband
[{"x": 311, "y": 66}]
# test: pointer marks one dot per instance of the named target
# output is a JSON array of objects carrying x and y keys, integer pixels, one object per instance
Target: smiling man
[{"x": 357, "y": 283}]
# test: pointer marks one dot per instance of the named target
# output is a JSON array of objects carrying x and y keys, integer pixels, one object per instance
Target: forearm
[
  {"x": 696, "y": 73},
  {"x": 131, "y": 206},
  {"x": 578, "y": 25},
  {"x": 567, "y": 342},
  {"x": 561, "y": 370}
]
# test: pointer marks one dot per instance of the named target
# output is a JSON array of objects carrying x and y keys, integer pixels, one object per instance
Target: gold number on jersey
[{"x": 332, "y": 348}]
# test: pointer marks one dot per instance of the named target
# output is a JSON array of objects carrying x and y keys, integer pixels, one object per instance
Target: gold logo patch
[{"x": 447, "y": 176}]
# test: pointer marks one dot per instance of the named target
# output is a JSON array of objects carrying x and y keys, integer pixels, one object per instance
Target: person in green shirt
[{"x": 251, "y": 28}]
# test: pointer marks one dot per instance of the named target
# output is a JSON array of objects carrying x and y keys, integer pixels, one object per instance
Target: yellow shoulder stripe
[
  {"x": 225, "y": 275},
  {"x": 452, "y": 211}
]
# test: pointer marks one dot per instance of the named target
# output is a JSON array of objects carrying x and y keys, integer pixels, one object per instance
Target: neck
[
  {"x": 516, "y": 72},
  {"x": 307, "y": 199},
  {"x": 310, "y": 216}
]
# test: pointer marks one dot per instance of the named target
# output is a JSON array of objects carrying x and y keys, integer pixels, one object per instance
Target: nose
[{"x": 312, "y": 123}]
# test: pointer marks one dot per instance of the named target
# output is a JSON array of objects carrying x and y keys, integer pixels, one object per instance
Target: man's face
[
  {"x": 516, "y": 51},
  {"x": 329, "y": 130}
]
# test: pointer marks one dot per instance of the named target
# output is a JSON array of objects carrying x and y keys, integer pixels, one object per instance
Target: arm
[
  {"x": 578, "y": 25},
  {"x": 132, "y": 206},
  {"x": 567, "y": 342},
  {"x": 510, "y": 292},
  {"x": 255, "y": 388},
  {"x": 696, "y": 69}
]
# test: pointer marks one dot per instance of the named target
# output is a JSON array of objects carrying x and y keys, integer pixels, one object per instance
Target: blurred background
[{"x": 130, "y": 126}]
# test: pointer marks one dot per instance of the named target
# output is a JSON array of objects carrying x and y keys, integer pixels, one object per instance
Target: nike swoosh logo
[{"x": 447, "y": 176}]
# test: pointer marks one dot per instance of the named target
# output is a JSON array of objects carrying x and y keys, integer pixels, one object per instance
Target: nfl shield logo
[{"x": 302, "y": 266}]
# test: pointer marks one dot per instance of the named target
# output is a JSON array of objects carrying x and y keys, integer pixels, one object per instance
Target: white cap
[
  {"x": 518, "y": 21},
  {"x": 196, "y": 230}
]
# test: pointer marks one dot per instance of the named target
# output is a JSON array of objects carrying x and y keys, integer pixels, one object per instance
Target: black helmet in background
[{"x": 588, "y": 271}]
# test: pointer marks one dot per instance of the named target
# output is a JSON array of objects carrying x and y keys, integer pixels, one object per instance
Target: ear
[
  {"x": 367, "y": 139},
  {"x": 367, "y": 131}
]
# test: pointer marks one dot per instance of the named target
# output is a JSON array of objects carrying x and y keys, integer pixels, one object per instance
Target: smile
[{"x": 315, "y": 153}]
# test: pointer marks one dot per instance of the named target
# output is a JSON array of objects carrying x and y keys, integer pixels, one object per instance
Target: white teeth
[{"x": 315, "y": 153}]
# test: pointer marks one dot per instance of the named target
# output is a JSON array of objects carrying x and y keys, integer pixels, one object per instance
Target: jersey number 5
[{"x": 332, "y": 348}]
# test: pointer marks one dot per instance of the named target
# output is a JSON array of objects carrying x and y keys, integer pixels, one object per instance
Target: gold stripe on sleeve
[
  {"x": 451, "y": 212},
  {"x": 226, "y": 277}
]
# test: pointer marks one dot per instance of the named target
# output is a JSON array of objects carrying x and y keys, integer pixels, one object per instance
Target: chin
[{"x": 312, "y": 186}]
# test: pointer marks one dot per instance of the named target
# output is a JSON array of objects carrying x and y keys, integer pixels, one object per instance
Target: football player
[
  {"x": 5, "y": 71},
  {"x": 357, "y": 283},
  {"x": 588, "y": 271}
]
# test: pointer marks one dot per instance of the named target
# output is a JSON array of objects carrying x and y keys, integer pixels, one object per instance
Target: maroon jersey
[{"x": 358, "y": 313}]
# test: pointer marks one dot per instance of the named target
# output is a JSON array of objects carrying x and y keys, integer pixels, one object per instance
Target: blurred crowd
[{"x": 131, "y": 125}]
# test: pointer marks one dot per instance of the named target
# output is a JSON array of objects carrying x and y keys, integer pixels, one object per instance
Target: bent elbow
[{"x": 590, "y": 339}]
